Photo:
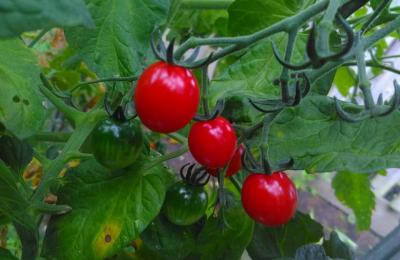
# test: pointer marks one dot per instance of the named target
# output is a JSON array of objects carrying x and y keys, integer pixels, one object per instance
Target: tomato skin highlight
[
  {"x": 269, "y": 199},
  {"x": 185, "y": 204},
  {"x": 212, "y": 143},
  {"x": 166, "y": 97},
  {"x": 117, "y": 145},
  {"x": 235, "y": 165}
]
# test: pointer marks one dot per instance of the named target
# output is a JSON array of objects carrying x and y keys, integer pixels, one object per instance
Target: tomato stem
[
  {"x": 52, "y": 170},
  {"x": 168, "y": 156},
  {"x": 70, "y": 113}
]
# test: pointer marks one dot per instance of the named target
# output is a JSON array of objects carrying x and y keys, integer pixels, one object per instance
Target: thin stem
[
  {"x": 78, "y": 137},
  {"x": 205, "y": 4},
  {"x": 374, "y": 16},
  {"x": 55, "y": 137},
  {"x": 168, "y": 156},
  {"x": 112, "y": 79},
  {"x": 363, "y": 80},
  {"x": 178, "y": 137},
  {"x": 204, "y": 90},
  {"x": 37, "y": 38},
  {"x": 375, "y": 65},
  {"x": 70, "y": 113},
  {"x": 326, "y": 27},
  {"x": 238, "y": 43},
  {"x": 285, "y": 71},
  {"x": 236, "y": 183},
  {"x": 367, "y": 43}
]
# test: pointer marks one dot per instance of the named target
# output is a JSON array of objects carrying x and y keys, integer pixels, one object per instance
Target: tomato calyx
[
  {"x": 167, "y": 53},
  {"x": 218, "y": 109},
  {"x": 194, "y": 174},
  {"x": 250, "y": 164}
]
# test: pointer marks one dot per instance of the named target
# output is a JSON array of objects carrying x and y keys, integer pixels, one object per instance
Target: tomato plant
[{"x": 282, "y": 88}]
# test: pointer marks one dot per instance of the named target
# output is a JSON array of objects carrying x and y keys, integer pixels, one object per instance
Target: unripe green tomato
[
  {"x": 185, "y": 204},
  {"x": 117, "y": 144}
]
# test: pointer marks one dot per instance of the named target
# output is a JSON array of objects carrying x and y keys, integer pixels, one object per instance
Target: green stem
[
  {"x": 367, "y": 43},
  {"x": 236, "y": 183},
  {"x": 205, "y": 4},
  {"x": 375, "y": 65},
  {"x": 78, "y": 137},
  {"x": 168, "y": 156},
  {"x": 326, "y": 27},
  {"x": 178, "y": 137},
  {"x": 112, "y": 79},
  {"x": 70, "y": 113},
  {"x": 204, "y": 90},
  {"x": 285, "y": 71},
  {"x": 241, "y": 42},
  {"x": 54, "y": 137}
]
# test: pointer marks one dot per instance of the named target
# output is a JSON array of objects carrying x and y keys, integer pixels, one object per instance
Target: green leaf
[
  {"x": 253, "y": 74},
  {"x": 335, "y": 248},
  {"x": 17, "y": 16},
  {"x": 120, "y": 43},
  {"x": 13, "y": 205},
  {"x": 323, "y": 85},
  {"x": 109, "y": 210},
  {"x": 226, "y": 241},
  {"x": 6, "y": 255},
  {"x": 247, "y": 17},
  {"x": 319, "y": 141},
  {"x": 353, "y": 190},
  {"x": 272, "y": 243},
  {"x": 344, "y": 80},
  {"x": 21, "y": 108},
  {"x": 184, "y": 23},
  {"x": 15, "y": 153},
  {"x": 164, "y": 240}
]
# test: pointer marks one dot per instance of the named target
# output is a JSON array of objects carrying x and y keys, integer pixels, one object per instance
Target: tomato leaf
[
  {"x": 248, "y": 17},
  {"x": 120, "y": 43},
  {"x": 17, "y": 16},
  {"x": 335, "y": 248},
  {"x": 319, "y": 141},
  {"x": 6, "y": 255},
  {"x": 15, "y": 153},
  {"x": 353, "y": 190},
  {"x": 109, "y": 210},
  {"x": 13, "y": 205},
  {"x": 21, "y": 109},
  {"x": 164, "y": 240},
  {"x": 344, "y": 80},
  {"x": 272, "y": 243},
  {"x": 217, "y": 241}
]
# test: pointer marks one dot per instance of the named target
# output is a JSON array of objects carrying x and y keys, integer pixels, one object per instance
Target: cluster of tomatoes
[{"x": 166, "y": 99}]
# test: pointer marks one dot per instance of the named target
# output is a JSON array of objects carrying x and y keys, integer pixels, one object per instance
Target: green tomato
[
  {"x": 185, "y": 204},
  {"x": 117, "y": 144}
]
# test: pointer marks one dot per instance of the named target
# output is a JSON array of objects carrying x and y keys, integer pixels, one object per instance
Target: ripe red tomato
[
  {"x": 234, "y": 165},
  {"x": 212, "y": 143},
  {"x": 166, "y": 97},
  {"x": 269, "y": 199}
]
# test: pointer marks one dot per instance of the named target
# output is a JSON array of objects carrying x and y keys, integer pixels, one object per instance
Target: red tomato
[
  {"x": 166, "y": 97},
  {"x": 269, "y": 199},
  {"x": 234, "y": 165},
  {"x": 212, "y": 143}
]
